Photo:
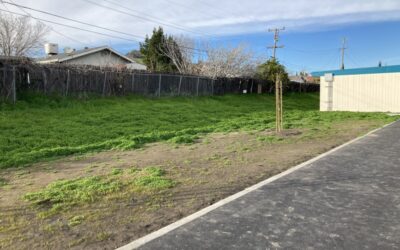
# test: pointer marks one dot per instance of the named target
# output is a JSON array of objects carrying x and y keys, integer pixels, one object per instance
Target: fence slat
[
  {"x": 68, "y": 80},
  {"x": 14, "y": 88},
  {"x": 104, "y": 83},
  {"x": 197, "y": 86},
  {"x": 133, "y": 83},
  {"x": 159, "y": 85}
]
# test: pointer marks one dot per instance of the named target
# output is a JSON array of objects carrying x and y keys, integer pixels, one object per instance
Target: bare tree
[
  {"x": 181, "y": 52},
  {"x": 20, "y": 36},
  {"x": 228, "y": 62}
]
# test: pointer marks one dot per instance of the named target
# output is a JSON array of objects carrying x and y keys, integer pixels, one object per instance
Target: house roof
[
  {"x": 299, "y": 79},
  {"x": 79, "y": 53},
  {"x": 360, "y": 71}
]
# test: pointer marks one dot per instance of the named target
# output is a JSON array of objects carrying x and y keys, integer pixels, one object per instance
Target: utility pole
[
  {"x": 343, "y": 49},
  {"x": 276, "y": 40}
]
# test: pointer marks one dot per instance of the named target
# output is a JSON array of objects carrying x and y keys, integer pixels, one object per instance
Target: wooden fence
[{"x": 82, "y": 81}]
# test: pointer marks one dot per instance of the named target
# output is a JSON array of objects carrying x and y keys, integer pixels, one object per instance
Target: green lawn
[{"x": 40, "y": 128}]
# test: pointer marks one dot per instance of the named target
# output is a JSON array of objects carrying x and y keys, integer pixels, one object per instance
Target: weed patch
[
  {"x": 3, "y": 182},
  {"x": 61, "y": 195},
  {"x": 76, "y": 220},
  {"x": 153, "y": 177}
]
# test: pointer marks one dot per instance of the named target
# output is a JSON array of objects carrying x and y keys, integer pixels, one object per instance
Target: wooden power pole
[
  {"x": 343, "y": 50},
  {"x": 276, "y": 40}
]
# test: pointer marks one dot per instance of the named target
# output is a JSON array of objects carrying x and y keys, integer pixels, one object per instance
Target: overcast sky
[{"x": 223, "y": 21}]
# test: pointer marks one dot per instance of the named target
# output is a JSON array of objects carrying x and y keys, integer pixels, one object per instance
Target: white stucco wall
[
  {"x": 100, "y": 58},
  {"x": 363, "y": 93}
]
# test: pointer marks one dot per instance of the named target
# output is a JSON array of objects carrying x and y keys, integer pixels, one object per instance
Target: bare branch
[
  {"x": 228, "y": 62},
  {"x": 20, "y": 36},
  {"x": 180, "y": 51}
]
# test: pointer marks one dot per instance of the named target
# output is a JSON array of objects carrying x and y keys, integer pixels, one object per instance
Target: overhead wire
[
  {"x": 196, "y": 50},
  {"x": 145, "y": 18},
  {"x": 72, "y": 20},
  {"x": 190, "y": 8},
  {"x": 72, "y": 27},
  {"x": 51, "y": 28},
  {"x": 155, "y": 18}
]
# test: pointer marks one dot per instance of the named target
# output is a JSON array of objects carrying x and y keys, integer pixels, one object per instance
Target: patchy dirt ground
[{"x": 216, "y": 166}]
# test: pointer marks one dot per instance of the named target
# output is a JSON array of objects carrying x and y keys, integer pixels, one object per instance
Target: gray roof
[{"x": 78, "y": 53}]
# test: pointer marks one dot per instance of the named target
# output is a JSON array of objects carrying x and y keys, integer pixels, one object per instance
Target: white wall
[
  {"x": 100, "y": 58},
  {"x": 364, "y": 93}
]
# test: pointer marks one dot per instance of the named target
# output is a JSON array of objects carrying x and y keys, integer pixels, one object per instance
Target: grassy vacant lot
[
  {"x": 40, "y": 128},
  {"x": 98, "y": 173}
]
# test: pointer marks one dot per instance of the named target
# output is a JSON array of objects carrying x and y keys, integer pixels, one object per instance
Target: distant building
[
  {"x": 99, "y": 56},
  {"x": 375, "y": 89},
  {"x": 297, "y": 79}
]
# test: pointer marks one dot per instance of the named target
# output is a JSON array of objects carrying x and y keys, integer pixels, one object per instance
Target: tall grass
[{"x": 39, "y": 127}]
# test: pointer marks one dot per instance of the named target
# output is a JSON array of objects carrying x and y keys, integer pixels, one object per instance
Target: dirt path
[{"x": 215, "y": 167}]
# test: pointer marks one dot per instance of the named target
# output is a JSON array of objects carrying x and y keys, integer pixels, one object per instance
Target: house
[
  {"x": 99, "y": 56},
  {"x": 297, "y": 79},
  {"x": 375, "y": 89},
  {"x": 302, "y": 78}
]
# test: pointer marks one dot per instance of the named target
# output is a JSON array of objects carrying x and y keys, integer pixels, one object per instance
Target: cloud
[{"x": 202, "y": 18}]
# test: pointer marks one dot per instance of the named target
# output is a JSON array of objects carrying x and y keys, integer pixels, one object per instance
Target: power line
[
  {"x": 190, "y": 8},
  {"x": 155, "y": 18},
  {"x": 22, "y": 7},
  {"x": 82, "y": 29},
  {"x": 321, "y": 51},
  {"x": 91, "y": 31},
  {"x": 51, "y": 28},
  {"x": 70, "y": 26},
  {"x": 141, "y": 17},
  {"x": 72, "y": 20}
]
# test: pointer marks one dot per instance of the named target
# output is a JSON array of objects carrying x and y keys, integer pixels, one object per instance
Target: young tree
[
  {"x": 20, "y": 36},
  {"x": 152, "y": 51},
  {"x": 268, "y": 71}
]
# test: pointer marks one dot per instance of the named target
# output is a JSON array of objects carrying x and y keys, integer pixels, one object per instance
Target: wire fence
[{"x": 67, "y": 80}]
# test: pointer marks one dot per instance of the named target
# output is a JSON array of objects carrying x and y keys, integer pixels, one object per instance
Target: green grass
[
  {"x": 153, "y": 177},
  {"x": 76, "y": 220},
  {"x": 3, "y": 182},
  {"x": 40, "y": 128},
  {"x": 61, "y": 195}
]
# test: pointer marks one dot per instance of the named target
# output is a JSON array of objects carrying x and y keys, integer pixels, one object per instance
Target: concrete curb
[{"x": 141, "y": 241}]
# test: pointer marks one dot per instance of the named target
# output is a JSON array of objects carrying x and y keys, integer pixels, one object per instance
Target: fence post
[
  {"x": 159, "y": 86},
  {"x": 133, "y": 83},
  {"x": 197, "y": 86},
  {"x": 104, "y": 83},
  {"x": 147, "y": 84},
  {"x": 180, "y": 84},
  {"x": 68, "y": 79},
  {"x": 212, "y": 87},
  {"x": 4, "y": 76},
  {"x": 14, "y": 96},
  {"x": 44, "y": 80}
]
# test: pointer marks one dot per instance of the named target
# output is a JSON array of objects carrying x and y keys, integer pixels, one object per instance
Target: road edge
[{"x": 156, "y": 234}]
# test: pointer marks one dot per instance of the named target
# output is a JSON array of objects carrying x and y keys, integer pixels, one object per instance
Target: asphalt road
[{"x": 349, "y": 199}]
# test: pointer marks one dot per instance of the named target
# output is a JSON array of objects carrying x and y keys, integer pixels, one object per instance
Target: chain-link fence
[{"x": 77, "y": 81}]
